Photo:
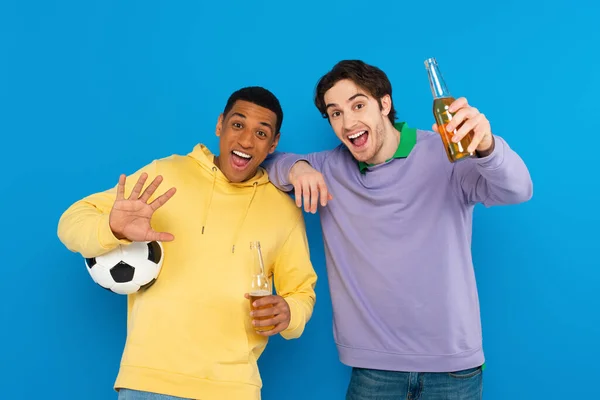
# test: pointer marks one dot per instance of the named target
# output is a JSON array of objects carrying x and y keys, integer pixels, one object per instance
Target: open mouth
[
  {"x": 239, "y": 159},
  {"x": 359, "y": 139}
]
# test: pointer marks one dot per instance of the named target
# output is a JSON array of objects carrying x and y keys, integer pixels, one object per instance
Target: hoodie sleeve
[
  {"x": 295, "y": 279},
  {"x": 84, "y": 228},
  {"x": 279, "y": 164},
  {"x": 499, "y": 178}
]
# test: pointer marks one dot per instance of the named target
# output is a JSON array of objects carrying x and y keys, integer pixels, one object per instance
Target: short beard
[{"x": 377, "y": 138}]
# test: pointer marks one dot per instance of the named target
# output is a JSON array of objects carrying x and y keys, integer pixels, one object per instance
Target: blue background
[{"x": 92, "y": 89}]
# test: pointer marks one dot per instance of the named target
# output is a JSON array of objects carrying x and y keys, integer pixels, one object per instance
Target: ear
[
  {"x": 275, "y": 143},
  {"x": 219, "y": 125},
  {"x": 386, "y": 105}
]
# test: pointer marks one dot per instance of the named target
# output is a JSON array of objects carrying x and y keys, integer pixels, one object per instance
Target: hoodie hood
[{"x": 205, "y": 158}]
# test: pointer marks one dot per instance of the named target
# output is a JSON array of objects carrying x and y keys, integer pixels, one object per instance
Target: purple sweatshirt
[{"x": 398, "y": 251}]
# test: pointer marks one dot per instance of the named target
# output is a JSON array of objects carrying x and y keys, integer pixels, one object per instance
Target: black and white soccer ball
[{"x": 128, "y": 268}]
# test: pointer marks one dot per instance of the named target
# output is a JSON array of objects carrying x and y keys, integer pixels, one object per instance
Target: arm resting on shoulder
[{"x": 279, "y": 164}]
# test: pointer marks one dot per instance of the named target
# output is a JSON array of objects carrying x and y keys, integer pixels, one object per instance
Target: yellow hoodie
[{"x": 190, "y": 334}]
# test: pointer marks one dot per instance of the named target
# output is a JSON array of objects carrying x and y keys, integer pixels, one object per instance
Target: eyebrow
[
  {"x": 350, "y": 99},
  {"x": 268, "y": 125}
]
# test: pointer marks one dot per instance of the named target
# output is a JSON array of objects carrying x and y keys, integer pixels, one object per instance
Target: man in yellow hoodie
[{"x": 191, "y": 334}]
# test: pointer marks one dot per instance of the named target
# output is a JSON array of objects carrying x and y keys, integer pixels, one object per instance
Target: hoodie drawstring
[
  {"x": 239, "y": 227},
  {"x": 241, "y": 223},
  {"x": 212, "y": 191}
]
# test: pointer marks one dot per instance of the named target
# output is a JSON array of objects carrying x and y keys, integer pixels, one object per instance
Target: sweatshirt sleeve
[
  {"x": 279, "y": 164},
  {"x": 500, "y": 178},
  {"x": 84, "y": 227},
  {"x": 295, "y": 279}
]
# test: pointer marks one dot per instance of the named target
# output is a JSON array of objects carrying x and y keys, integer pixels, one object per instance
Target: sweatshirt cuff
[
  {"x": 296, "y": 326},
  {"x": 495, "y": 158},
  {"x": 106, "y": 237}
]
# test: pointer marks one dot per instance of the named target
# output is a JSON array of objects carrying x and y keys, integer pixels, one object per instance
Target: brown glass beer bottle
[
  {"x": 441, "y": 101},
  {"x": 260, "y": 284}
]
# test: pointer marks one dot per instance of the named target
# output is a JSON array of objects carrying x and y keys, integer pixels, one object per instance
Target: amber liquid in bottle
[
  {"x": 260, "y": 285},
  {"x": 441, "y": 101}
]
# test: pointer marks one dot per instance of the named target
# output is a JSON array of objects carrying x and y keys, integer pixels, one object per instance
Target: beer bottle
[
  {"x": 260, "y": 284},
  {"x": 441, "y": 101}
]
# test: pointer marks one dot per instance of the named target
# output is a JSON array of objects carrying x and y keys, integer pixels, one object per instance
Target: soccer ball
[{"x": 128, "y": 268}]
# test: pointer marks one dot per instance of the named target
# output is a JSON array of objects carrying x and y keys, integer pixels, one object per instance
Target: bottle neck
[
  {"x": 259, "y": 267},
  {"x": 436, "y": 81}
]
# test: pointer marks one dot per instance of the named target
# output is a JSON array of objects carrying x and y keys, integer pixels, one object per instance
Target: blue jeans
[
  {"x": 129, "y": 394},
  {"x": 370, "y": 384}
]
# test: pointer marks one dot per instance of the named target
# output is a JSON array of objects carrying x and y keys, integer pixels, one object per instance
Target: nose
[
  {"x": 246, "y": 139},
  {"x": 349, "y": 122}
]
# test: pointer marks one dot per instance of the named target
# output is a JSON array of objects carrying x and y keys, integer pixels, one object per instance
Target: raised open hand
[{"x": 130, "y": 217}]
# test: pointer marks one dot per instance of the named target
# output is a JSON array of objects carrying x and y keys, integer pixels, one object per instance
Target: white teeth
[
  {"x": 240, "y": 154},
  {"x": 357, "y": 135}
]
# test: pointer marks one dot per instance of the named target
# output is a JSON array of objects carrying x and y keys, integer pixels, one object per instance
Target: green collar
[{"x": 408, "y": 139}]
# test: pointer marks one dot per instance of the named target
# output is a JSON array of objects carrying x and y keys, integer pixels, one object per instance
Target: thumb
[
  {"x": 160, "y": 237},
  {"x": 435, "y": 128}
]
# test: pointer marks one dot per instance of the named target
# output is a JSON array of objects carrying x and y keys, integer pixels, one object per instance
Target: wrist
[
  {"x": 292, "y": 174},
  {"x": 116, "y": 233},
  {"x": 107, "y": 236},
  {"x": 481, "y": 153}
]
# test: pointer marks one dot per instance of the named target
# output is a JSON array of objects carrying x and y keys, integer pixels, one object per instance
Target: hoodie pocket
[
  {"x": 223, "y": 335},
  {"x": 225, "y": 353},
  {"x": 204, "y": 338}
]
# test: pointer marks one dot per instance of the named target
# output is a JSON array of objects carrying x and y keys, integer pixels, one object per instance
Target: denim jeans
[
  {"x": 370, "y": 384},
  {"x": 129, "y": 394}
]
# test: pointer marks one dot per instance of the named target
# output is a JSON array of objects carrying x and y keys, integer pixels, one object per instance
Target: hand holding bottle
[
  {"x": 271, "y": 313},
  {"x": 468, "y": 119},
  {"x": 463, "y": 128}
]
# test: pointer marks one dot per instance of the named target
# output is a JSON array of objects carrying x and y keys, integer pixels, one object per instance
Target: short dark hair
[
  {"x": 259, "y": 96},
  {"x": 368, "y": 77}
]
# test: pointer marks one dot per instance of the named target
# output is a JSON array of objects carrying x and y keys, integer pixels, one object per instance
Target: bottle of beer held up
[
  {"x": 260, "y": 284},
  {"x": 441, "y": 101}
]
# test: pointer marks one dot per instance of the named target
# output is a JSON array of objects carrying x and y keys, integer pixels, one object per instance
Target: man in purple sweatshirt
[{"x": 396, "y": 217}]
